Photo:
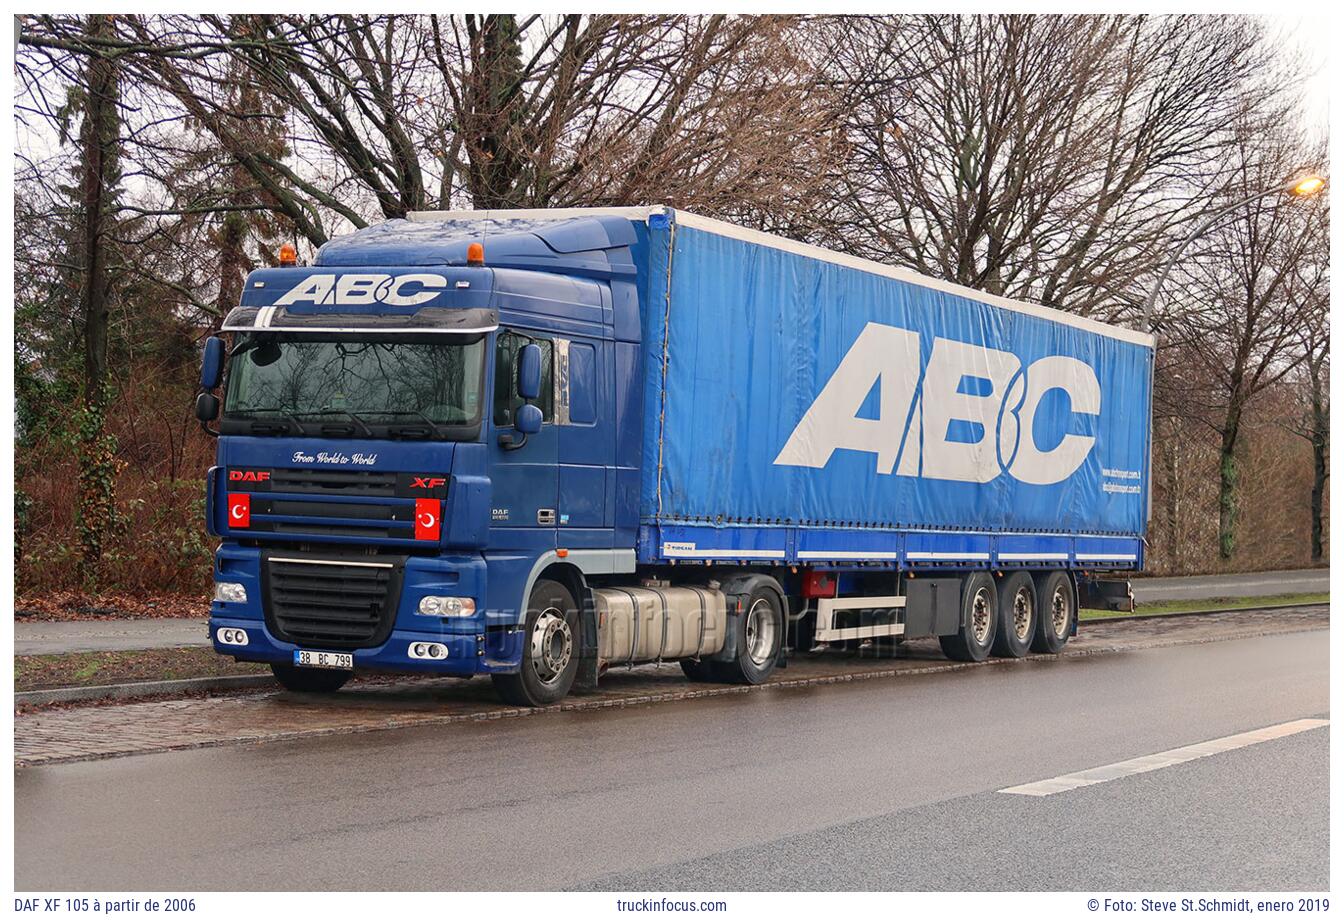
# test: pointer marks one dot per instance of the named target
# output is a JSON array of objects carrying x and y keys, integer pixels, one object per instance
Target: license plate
[{"x": 340, "y": 661}]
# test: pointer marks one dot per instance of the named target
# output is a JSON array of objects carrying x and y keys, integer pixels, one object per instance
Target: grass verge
[
  {"x": 95, "y": 669},
  {"x": 1209, "y": 603}
]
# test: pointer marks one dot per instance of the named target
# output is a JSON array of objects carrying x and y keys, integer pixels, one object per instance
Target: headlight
[
  {"x": 447, "y": 606},
  {"x": 230, "y": 592}
]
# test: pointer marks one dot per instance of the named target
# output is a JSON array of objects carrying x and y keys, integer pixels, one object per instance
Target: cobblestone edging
[
  {"x": 142, "y": 688},
  {"x": 184, "y": 724}
]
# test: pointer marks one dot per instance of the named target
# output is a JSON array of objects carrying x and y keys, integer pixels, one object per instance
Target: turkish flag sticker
[
  {"x": 427, "y": 518},
  {"x": 240, "y": 509}
]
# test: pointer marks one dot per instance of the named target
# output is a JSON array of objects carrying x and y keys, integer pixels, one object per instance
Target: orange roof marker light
[
  {"x": 289, "y": 256},
  {"x": 475, "y": 254},
  {"x": 1307, "y": 186}
]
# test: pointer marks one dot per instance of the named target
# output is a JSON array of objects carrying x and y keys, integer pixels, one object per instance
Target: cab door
[
  {"x": 585, "y": 441},
  {"x": 523, "y": 475}
]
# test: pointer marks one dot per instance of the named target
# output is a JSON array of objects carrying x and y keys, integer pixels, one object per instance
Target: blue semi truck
[{"x": 538, "y": 444}]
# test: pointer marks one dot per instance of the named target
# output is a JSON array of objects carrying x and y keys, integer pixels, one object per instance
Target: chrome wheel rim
[
  {"x": 552, "y": 645},
  {"x": 1023, "y": 614},
  {"x": 1059, "y": 612},
  {"x": 760, "y": 631},
  {"x": 980, "y": 616}
]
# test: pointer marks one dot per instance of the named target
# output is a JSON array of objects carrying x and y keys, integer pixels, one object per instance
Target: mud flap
[{"x": 585, "y": 680}]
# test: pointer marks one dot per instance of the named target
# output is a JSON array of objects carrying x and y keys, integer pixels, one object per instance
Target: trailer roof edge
[{"x": 723, "y": 228}]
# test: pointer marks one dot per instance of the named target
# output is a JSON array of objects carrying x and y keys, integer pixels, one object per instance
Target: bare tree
[
  {"x": 1312, "y": 420},
  {"x": 1044, "y": 157},
  {"x": 99, "y": 145},
  {"x": 1244, "y": 298}
]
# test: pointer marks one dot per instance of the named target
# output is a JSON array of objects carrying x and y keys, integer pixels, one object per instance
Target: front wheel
[
  {"x": 309, "y": 680},
  {"x": 550, "y": 655}
]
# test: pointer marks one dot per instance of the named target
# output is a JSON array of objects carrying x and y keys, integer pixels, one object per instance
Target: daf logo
[
  {"x": 356, "y": 290},
  {"x": 969, "y": 416}
]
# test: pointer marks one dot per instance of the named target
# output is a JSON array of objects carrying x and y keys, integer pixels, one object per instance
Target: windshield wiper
[
  {"x": 368, "y": 432},
  {"x": 405, "y": 431},
  {"x": 264, "y": 427}
]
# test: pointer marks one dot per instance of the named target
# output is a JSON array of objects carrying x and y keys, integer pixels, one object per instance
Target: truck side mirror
[
  {"x": 528, "y": 418},
  {"x": 212, "y": 363},
  {"x": 207, "y": 407},
  {"x": 529, "y": 371}
]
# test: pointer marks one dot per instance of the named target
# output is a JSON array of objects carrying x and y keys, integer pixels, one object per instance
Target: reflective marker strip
[
  {"x": 677, "y": 552},
  {"x": 845, "y": 554},
  {"x": 1163, "y": 759}
]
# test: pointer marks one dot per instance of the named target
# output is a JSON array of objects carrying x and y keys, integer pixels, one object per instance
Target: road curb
[{"x": 142, "y": 688}]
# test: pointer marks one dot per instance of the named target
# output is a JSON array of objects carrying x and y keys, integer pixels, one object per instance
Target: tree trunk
[
  {"x": 494, "y": 118},
  {"x": 1320, "y": 442},
  {"x": 1227, "y": 485},
  {"x": 99, "y": 135}
]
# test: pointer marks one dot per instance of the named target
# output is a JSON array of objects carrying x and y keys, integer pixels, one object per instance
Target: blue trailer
[{"x": 535, "y": 444}]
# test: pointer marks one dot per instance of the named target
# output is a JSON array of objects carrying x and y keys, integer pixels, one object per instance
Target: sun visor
[{"x": 447, "y": 320}]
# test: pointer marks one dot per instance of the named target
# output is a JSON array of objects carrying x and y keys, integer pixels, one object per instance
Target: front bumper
[{"x": 470, "y": 647}]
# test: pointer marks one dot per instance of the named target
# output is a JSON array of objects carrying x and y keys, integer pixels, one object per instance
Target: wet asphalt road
[{"x": 880, "y": 784}]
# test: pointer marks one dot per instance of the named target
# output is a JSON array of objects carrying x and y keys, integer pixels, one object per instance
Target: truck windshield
[{"x": 423, "y": 387}]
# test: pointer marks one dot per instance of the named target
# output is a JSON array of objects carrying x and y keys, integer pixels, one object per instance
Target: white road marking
[{"x": 1163, "y": 759}]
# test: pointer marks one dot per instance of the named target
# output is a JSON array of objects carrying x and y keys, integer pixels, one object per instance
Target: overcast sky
[{"x": 1315, "y": 35}]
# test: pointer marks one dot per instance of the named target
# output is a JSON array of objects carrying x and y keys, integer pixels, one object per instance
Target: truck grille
[
  {"x": 330, "y": 602},
  {"x": 369, "y": 505},
  {"x": 343, "y": 482}
]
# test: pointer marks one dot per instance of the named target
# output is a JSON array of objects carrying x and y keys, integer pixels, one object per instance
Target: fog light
[
  {"x": 432, "y": 651},
  {"x": 447, "y": 606},
  {"x": 230, "y": 592},
  {"x": 232, "y": 636}
]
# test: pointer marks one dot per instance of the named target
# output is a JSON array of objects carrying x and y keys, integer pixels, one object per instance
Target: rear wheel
[
  {"x": 979, "y": 620},
  {"x": 699, "y": 670},
  {"x": 760, "y": 631},
  {"x": 1017, "y": 616},
  {"x": 550, "y": 655},
  {"x": 1058, "y": 605},
  {"x": 309, "y": 680}
]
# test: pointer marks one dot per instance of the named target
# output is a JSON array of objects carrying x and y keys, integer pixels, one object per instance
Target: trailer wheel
[
  {"x": 760, "y": 631},
  {"x": 309, "y": 680},
  {"x": 550, "y": 651},
  {"x": 1018, "y": 612},
  {"x": 1058, "y": 605},
  {"x": 974, "y": 640}
]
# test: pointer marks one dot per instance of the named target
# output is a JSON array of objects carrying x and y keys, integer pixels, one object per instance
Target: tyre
[
  {"x": 974, "y": 640},
  {"x": 309, "y": 680},
  {"x": 550, "y": 650},
  {"x": 760, "y": 631},
  {"x": 1058, "y": 612},
  {"x": 700, "y": 670},
  {"x": 1017, "y": 616}
]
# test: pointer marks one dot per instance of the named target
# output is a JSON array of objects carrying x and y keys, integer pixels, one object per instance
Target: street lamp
[{"x": 1302, "y": 187}]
